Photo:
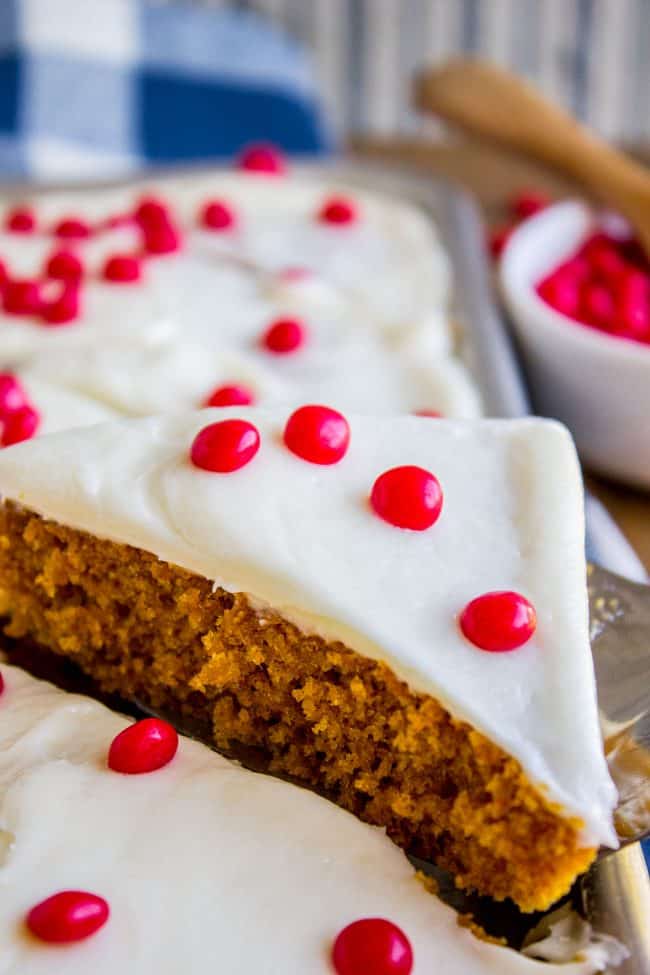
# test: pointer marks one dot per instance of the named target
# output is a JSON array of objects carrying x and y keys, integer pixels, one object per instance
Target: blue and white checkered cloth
[{"x": 99, "y": 87}]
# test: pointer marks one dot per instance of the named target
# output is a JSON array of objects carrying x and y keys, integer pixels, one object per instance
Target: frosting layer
[
  {"x": 60, "y": 408},
  {"x": 372, "y": 297},
  {"x": 205, "y": 866},
  {"x": 303, "y": 538},
  {"x": 354, "y": 373}
]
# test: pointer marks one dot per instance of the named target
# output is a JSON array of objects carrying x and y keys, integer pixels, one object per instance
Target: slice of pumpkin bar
[
  {"x": 391, "y": 610},
  {"x": 127, "y": 849}
]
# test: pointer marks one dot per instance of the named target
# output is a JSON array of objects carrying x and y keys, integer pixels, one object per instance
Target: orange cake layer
[{"x": 318, "y": 711}]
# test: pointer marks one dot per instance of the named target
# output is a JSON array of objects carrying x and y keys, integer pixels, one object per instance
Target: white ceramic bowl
[{"x": 598, "y": 385}]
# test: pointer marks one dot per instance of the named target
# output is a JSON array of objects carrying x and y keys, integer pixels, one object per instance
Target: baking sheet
[{"x": 616, "y": 894}]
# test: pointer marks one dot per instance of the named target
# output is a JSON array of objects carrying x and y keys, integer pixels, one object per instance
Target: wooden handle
[{"x": 496, "y": 105}]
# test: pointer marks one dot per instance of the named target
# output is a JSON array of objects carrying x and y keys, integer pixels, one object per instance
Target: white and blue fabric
[{"x": 104, "y": 86}]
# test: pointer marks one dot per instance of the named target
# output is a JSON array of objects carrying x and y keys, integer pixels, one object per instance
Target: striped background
[{"x": 592, "y": 55}]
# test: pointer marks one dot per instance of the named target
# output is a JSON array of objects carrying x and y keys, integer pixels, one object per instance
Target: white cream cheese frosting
[
  {"x": 132, "y": 315},
  {"x": 60, "y": 408},
  {"x": 156, "y": 379},
  {"x": 206, "y": 867},
  {"x": 303, "y": 539},
  {"x": 373, "y": 301},
  {"x": 390, "y": 259},
  {"x": 353, "y": 373}
]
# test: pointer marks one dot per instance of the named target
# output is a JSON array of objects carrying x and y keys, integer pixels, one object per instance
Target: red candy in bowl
[
  {"x": 602, "y": 287},
  {"x": 578, "y": 291}
]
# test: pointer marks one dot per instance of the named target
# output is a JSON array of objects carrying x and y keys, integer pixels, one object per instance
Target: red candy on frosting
[
  {"x": 317, "y": 434},
  {"x": 407, "y": 497},
  {"x": 372, "y": 946},
  {"x": 19, "y": 425},
  {"x": 161, "y": 238},
  {"x": 284, "y": 336},
  {"x": 230, "y": 396},
  {"x": 144, "y": 746},
  {"x": 21, "y": 297},
  {"x": 498, "y": 621},
  {"x": 225, "y": 446},
  {"x": 338, "y": 210},
  {"x": 12, "y": 393},
  {"x": 64, "y": 308},
  {"x": 151, "y": 209},
  {"x": 263, "y": 158},
  {"x": 64, "y": 266},
  {"x": 73, "y": 228},
  {"x": 122, "y": 269},
  {"x": 71, "y": 915},
  {"x": 217, "y": 215},
  {"x": 20, "y": 220},
  {"x": 19, "y": 420}
]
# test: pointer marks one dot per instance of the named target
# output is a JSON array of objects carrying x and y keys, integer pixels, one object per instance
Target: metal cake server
[{"x": 619, "y": 613}]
